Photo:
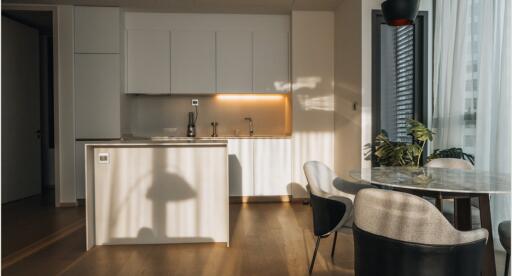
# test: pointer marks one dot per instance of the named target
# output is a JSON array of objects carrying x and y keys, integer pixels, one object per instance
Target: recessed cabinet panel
[
  {"x": 97, "y": 93},
  {"x": 241, "y": 161},
  {"x": 234, "y": 61},
  {"x": 80, "y": 169},
  {"x": 193, "y": 62},
  {"x": 148, "y": 62},
  {"x": 97, "y": 30},
  {"x": 272, "y": 167},
  {"x": 271, "y": 62}
]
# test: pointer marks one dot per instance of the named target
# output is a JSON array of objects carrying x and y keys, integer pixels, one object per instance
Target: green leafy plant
[{"x": 389, "y": 153}]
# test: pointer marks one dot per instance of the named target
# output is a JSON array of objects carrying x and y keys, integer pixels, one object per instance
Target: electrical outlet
[{"x": 195, "y": 102}]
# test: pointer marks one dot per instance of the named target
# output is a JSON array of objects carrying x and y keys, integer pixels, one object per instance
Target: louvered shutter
[{"x": 404, "y": 68}]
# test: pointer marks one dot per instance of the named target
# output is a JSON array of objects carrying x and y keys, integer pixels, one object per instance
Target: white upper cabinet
[
  {"x": 148, "y": 62},
  {"x": 97, "y": 96},
  {"x": 97, "y": 30},
  {"x": 271, "y": 62},
  {"x": 272, "y": 167},
  {"x": 192, "y": 62},
  {"x": 206, "y": 53},
  {"x": 234, "y": 61}
]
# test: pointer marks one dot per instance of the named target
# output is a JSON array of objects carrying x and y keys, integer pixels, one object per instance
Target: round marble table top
[{"x": 436, "y": 179}]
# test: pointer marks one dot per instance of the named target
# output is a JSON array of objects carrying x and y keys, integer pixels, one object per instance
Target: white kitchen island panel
[{"x": 159, "y": 194}]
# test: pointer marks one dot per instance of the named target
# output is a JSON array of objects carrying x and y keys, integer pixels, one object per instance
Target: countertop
[{"x": 167, "y": 142}]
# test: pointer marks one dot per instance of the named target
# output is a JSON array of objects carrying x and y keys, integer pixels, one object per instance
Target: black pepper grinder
[
  {"x": 191, "y": 128},
  {"x": 214, "y": 128}
]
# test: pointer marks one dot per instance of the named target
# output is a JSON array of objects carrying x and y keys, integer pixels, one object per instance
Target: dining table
[{"x": 442, "y": 183}]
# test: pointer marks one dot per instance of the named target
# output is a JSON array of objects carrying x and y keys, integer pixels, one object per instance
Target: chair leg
[
  {"x": 507, "y": 264},
  {"x": 314, "y": 255},
  {"x": 334, "y": 243}
]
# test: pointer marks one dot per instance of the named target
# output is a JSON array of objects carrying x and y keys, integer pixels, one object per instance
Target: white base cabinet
[
  {"x": 241, "y": 164},
  {"x": 272, "y": 167},
  {"x": 158, "y": 194},
  {"x": 259, "y": 167}
]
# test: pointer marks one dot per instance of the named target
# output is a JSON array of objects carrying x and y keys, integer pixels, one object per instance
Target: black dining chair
[
  {"x": 399, "y": 234},
  {"x": 504, "y": 233},
  {"x": 331, "y": 200}
]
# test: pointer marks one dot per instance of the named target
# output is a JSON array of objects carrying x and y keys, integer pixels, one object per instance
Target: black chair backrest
[
  {"x": 327, "y": 214},
  {"x": 378, "y": 255}
]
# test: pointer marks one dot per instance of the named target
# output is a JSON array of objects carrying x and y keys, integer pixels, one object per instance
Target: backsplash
[{"x": 160, "y": 115}]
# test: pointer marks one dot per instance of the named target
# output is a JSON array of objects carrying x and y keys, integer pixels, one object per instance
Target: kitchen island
[{"x": 157, "y": 192}]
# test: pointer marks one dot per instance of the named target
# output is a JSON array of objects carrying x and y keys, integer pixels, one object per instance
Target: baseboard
[
  {"x": 260, "y": 199},
  {"x": 304, "y": 200},
  {"x": 41, "y": 244}
]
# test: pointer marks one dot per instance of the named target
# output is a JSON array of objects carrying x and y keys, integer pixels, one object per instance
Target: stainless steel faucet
[{"x": 251, "y": 125}]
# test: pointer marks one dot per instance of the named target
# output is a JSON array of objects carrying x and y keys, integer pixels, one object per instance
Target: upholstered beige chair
[
  {"x": 399, "y": 234},
  {"x": 449, "y": 209},
  {"x": 331, "y": 199},
  {"x": 450, "y": 163}
]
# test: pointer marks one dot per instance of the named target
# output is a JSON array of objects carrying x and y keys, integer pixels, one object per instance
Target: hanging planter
[{"x": 400, "y": 12}]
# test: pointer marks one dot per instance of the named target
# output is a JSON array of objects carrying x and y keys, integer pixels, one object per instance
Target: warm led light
[{"x": 250, "y": 97}]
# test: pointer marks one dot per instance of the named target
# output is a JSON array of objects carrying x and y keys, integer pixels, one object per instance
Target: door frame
[{"x": 55, "y": 39}]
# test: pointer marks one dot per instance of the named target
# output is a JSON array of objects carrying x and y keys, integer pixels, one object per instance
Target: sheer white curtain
[
  {"x": 493, "y": 129},
  {"x": 451, "y": 55},
  {"x": 472, "y": 83}
]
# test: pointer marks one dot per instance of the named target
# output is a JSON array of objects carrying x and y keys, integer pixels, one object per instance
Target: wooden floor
[
  {"x": 266, "y": 239},
  {"x": 31, "y": 219}
]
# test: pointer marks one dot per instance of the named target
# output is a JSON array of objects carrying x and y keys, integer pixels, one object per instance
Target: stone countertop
[{"x": 166, "y": 142}]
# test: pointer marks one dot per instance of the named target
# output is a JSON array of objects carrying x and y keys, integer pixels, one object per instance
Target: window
[{"x": 399, "y": 75}]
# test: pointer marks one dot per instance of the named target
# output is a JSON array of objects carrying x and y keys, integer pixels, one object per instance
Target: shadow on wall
[
  {"x": 298, "y": 188},
  {"x": 164, "y": 188},
  {"x": 235, "y": 175}
]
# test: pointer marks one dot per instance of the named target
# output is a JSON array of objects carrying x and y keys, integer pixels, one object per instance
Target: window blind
[{"x": 404, "y": 70}]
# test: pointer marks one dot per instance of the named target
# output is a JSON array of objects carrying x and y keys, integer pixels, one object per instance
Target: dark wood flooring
[
  {"x": 28, "y": 220},
  {"x": 266, "y": 239}
]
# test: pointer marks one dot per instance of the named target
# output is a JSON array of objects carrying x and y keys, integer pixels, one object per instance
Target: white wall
[
  {"x": 366, "y": 68},
  {"x": 312, "y": 92},
  {"x": 21, "y": 166},
  {"x": 65, "y": 140},
  {"x": 347, "y": 87}
]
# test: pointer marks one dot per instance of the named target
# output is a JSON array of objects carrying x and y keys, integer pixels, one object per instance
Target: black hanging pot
[{"x": 400, "y": 12}]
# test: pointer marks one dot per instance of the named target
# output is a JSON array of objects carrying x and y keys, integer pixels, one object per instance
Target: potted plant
[{"x": 390, "y": 153}]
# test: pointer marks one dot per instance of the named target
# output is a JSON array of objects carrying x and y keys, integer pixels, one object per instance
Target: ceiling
[{"x": 201, "y": 6}]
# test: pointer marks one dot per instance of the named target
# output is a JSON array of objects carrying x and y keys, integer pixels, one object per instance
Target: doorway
[
  {"x": 27, "y": 106},
  {"x": 29, "y": 215}
]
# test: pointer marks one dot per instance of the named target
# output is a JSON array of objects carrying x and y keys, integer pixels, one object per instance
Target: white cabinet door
[
  {"x": 97, "y": 96},
  {"x": 241, "y": 161},
  {"x": 193, "y": 62},
  {"x": 271, "y": 62},
  {"x": 234, "y": 61},
  {"x": 97, "y": 30},
  {"x": 148, "y": 62},
  {"x": 272, "y": 167}
]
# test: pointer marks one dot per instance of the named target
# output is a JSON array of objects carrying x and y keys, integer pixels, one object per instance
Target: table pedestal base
[{"x": 462, "y": 221}]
